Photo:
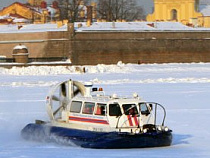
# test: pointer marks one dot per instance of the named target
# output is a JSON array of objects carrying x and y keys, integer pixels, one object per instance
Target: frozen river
[{"x": 184, "y": 90}]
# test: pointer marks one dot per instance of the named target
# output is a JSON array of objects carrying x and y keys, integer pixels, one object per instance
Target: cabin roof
[{"x": 106, "y": 99}]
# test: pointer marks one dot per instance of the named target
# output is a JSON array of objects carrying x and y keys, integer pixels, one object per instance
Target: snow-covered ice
[{"x": 184, "y": 90}]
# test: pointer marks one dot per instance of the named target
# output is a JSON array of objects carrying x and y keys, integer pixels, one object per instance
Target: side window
[
  {"x": 130, "y": 109},
  {"x": 76, "y": 106},
  {"x": 114, "y": 110},
  {"x": 88, "y": 108},
  {"x": 144, "y": 109},
  {"x": 100, "y": 109}
]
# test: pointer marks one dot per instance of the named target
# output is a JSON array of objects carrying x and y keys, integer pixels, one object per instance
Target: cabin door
[
  {"x": 146, "y": 114},
  {"x": 131, "y": 115}
]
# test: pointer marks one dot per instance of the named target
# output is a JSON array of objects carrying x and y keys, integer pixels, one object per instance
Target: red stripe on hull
[{"x": 89, "y": 120}]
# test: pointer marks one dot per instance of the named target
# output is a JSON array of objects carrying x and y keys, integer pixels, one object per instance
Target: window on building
[
  {"x": 173, "y": 14},
  {"x": 197, "y": 5}
]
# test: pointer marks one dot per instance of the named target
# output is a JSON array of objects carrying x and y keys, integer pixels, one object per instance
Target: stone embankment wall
[
  {"x": 140, "y": 47},
  {"x": 91, "y": 48},
  {"x": 39, "y": 44}
]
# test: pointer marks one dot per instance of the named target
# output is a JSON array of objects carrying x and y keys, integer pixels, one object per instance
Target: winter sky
[{"x": 146, "y": 4}]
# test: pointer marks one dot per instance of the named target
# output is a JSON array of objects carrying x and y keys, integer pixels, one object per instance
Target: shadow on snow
[{"x": 180, "y": 139}]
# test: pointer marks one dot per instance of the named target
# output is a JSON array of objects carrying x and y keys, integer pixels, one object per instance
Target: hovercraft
[{"x": 84, "y": 116}]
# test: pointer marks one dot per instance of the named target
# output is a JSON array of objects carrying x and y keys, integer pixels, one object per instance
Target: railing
[
  {"x": 156, "y": 106},
  {"x": 152, "y": 105}
]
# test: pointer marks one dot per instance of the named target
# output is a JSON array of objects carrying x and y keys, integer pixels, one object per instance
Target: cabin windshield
[
  {"x": 130, "y": 109},
  {"x": 114, "y": 110},
  {"x": 144, "y": 109}
]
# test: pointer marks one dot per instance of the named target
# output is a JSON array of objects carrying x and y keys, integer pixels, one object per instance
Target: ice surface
[{"x": 184, "y": 90}]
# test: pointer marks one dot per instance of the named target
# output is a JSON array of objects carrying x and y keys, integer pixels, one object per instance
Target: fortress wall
[
  {"x": 92, "y": 48},
  {"x": 40, "y": 44}
]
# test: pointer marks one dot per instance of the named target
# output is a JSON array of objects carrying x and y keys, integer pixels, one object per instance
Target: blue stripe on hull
[{"x": 89, "y": 139}]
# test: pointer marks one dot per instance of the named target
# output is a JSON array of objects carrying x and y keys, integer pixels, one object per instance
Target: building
[
  {"x": 35, "y": 11},
  {"x": 188, "y": 12},
  {"x": 38, "y": 11},
  {"x": 35, "y": 2},
  {"x": 20, "y": 10}
]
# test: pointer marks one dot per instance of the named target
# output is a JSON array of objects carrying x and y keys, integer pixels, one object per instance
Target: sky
[{"x": 146, "y": 4}]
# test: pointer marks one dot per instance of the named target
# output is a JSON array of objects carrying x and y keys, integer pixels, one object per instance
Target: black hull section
[{"x": 99, "y": 140}]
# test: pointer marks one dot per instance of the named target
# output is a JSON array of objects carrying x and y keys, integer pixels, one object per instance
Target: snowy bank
[
  {"x": 175, "y": 73},
  {"x": 101, "y": 68}
]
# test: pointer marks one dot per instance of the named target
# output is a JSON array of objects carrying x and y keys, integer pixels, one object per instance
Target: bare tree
[
  {"x": 105, "y": 9},
  {"x": 71, "y": 9},
  {"x": 63, "y": 5},
  {"x": 113, "y": 10}
]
